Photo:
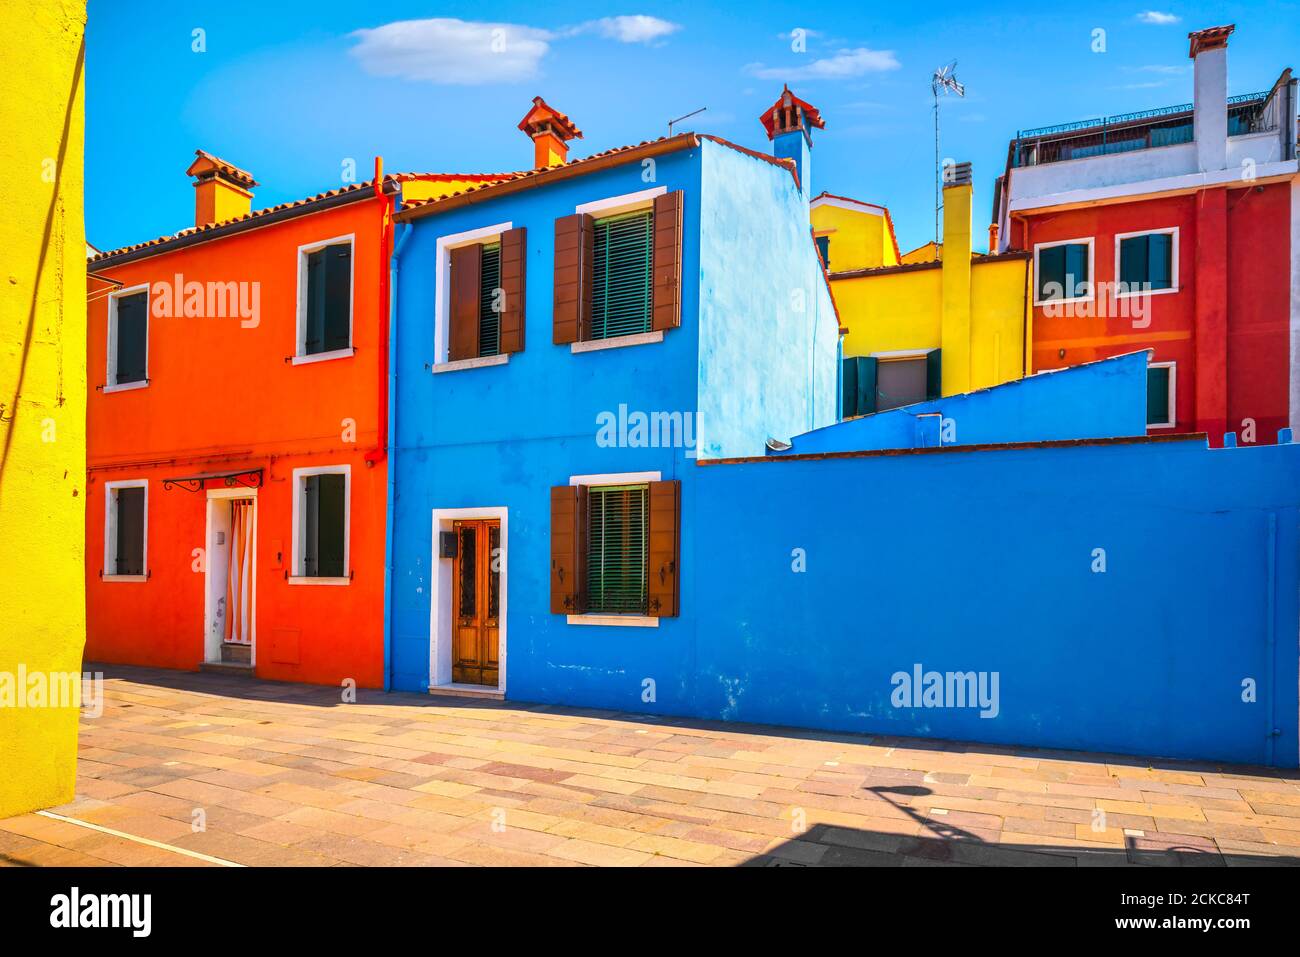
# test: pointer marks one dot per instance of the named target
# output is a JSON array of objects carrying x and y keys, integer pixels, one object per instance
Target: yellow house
[
  {"x": 939, "y": 320},
  {"x": 42, "y": 401}
]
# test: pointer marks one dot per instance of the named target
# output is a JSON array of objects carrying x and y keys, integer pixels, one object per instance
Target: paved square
[{"x": 206, "y": 770}]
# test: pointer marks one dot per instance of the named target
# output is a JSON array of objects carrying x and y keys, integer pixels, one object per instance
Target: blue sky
[{"x": 292, "y": 90}]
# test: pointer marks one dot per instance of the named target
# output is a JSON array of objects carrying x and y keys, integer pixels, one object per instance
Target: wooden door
[{"x": 476, "y": 612}]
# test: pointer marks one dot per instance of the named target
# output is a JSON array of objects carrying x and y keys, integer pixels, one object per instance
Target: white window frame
[
  {"x": 110, "y": 530},
  {"x": 616, "y": 478},
  {"x": 298, "y": 546},
  {"x": 1173, "y": 394},
  {"x": 1091, "y": 243},
  {"x": 300, "y": 356},
  {"x": 1173, "y": 267},
  {"x": 442, "y": 298},
  {"x": 110, "y": 370}
]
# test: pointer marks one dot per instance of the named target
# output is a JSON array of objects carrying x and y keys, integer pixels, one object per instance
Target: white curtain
[{"x": 239, "y": 593}]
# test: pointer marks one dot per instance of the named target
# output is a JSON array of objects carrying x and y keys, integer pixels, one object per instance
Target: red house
[{"x": 1177, "y": 231}]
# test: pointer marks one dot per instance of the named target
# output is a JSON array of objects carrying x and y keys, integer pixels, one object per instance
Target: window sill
[
  {"x": 480, "y": 362},
  {"x": 347, "y": 353},
  {"x": 125, "y": 578},
  {"x": 309, "y": 580},
  {"x": 1161, "y": 425},
  {"x": 1146, "y": 292},
  {"x": 618, "y": 342},
  {"x": 126, "y": 386},
  {"x": 1063, "y": 302},
  {"x": 629, "y": 621}
]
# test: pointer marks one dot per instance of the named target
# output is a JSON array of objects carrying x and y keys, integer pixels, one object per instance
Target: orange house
[{"x": 237, "y": 423}]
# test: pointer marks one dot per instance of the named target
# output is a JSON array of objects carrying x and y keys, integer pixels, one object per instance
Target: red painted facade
[{"x": 1226, "y": 326}]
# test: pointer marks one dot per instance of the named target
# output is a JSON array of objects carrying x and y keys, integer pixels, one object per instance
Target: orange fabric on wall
[{"x": 239, "y": 591}]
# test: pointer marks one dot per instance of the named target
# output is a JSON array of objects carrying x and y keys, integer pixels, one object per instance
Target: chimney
[
  {"x": 221, "y": 191},
  {"x": 789, "y": 123},
  {"x": 1209, "y": 53},
  {"x": 550, "y": 131},
  {"x": 955, "y": 315}
]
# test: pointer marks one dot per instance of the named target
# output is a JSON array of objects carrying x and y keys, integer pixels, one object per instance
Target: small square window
[
  {"x": 1064, "y": 271},
  {"x": 1146, "y": 262}
]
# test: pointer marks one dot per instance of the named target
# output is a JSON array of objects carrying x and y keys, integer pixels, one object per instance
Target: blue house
[{"x": 567, "y": 343}]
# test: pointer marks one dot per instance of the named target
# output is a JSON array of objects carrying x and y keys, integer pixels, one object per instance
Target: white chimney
[{"x": 1209, "y": 53}]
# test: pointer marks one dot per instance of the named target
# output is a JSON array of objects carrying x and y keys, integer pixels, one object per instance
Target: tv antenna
[
  {"x": 686, "y": 117},
  {"x": 943, "y": 82}
]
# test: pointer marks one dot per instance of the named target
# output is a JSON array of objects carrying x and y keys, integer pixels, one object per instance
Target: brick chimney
[
  {"x": 221, "y": 191},
  {"x": 789, "y": 123},
  {"x": 550, "y": 131},
  {"x": 1209, "y": 52}
]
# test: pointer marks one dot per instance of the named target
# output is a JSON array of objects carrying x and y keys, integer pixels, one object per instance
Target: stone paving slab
[{"x": 266, "y": 774}]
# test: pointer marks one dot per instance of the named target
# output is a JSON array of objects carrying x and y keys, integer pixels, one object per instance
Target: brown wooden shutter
[
  {"x": 664, "y": 551},
  {"x": 466, "y": 266},
  {"x": 574, "y": 241},
  {"x": 668, "y": 261},
  {"x": 514, "y": 254},
  {"x": 568, "y": 547}
]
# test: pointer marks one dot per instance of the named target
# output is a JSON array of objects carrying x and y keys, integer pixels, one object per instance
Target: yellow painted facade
[
  {"x": 975, "y": 308},
  {"x": 42, "y": 395},
  {"x": 860, "y": 235}
]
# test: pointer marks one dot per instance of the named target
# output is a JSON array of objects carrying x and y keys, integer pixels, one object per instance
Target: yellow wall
[
  {"x": 973, "y": 308},
  {"x": 858, "y": 239},
  {"x": 42, "y": 389}
]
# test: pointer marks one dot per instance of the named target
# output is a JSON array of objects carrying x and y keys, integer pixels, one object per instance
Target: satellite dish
[{"x": 776, "y": 445}]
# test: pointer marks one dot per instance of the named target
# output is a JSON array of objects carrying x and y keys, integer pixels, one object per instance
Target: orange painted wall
[{"x": 221, "y": 397}]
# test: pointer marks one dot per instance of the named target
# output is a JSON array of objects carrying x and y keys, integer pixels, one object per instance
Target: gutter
[{"x": 403, "y": 233}]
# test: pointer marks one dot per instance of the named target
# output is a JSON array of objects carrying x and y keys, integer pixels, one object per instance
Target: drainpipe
[
  {"x": 387, "y": 209},
  {"x": 1270, "y": 641},
  {"x": 403, "y": 233}
]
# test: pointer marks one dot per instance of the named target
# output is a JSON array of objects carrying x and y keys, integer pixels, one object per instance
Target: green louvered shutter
[
  {"x": 622, "y": 300},
  {"x": 489, "y": 321},
  {"x": 616, "y": 549},
  {"x": 934, "y": 374}
]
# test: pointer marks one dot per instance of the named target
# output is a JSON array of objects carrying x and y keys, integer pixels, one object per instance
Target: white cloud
[
  {"x": 446, "y": 50},
  {"x": 844, "y": 65},
  {"x": 1158, "y": 18},
  {"x": 636, "y": 28},
  {"x": 468, "y": 52}
]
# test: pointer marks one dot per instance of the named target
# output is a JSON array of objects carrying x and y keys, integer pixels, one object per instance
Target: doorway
[
  {"x": 476, "y": 602},
  {"x": 230, "y": 577}
]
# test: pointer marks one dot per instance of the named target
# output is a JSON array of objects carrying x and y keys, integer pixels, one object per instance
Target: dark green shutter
[
  {"x": 338, "y": 297},
  {"x": 130, "y": 531},
  {"x": 1160, "y": 249},
  {"x": 489, "y": 320},
  {"x": 933, "y": 374},
  {"x": 621, "y": 275},
  {"x": 824, "y": 247},
  {"x": 616, "y": 550},
  {"x": 1051, "y": 269},
  {"x": 1158, "y": 395},
  {"x": 324, "y": 499},
  {"x": 859, "y": 385},
  {"x": 329, "y": 299},
  {"x": 1133, "y": 262},
  {"x": 849, "y": 399},
  {"x": 1076, "y": 269},
  {"x": 132, "y": 336}
]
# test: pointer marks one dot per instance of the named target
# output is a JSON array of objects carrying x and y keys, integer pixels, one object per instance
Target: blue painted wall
[
  {"x": 1101, "y": 399},
  {"x": 503, "y": 435},
  {"x": 983, "y": 561}
]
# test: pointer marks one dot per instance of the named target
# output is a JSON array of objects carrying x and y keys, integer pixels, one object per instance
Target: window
[
  {"x": 325, "y": 299},
  {"x": 1063, "y": 271},
  {"x": 618, "y": 271},
  {"x": 1147, "y": 262},
  {"x": 890, "y": 380},
  {"x": 900, "y": 382},
  {"x": 1161, "y": 393},
  {"x": 125, "y": 525},
  {"x": 621, "y": 294},
  {"x": 616, "y": 549},
  {"x": 320, "y": 516},
  {"x": 824, "y": 247},
  {"x": 480, "y": 297},
  {"x": 128, "y": 339}
]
